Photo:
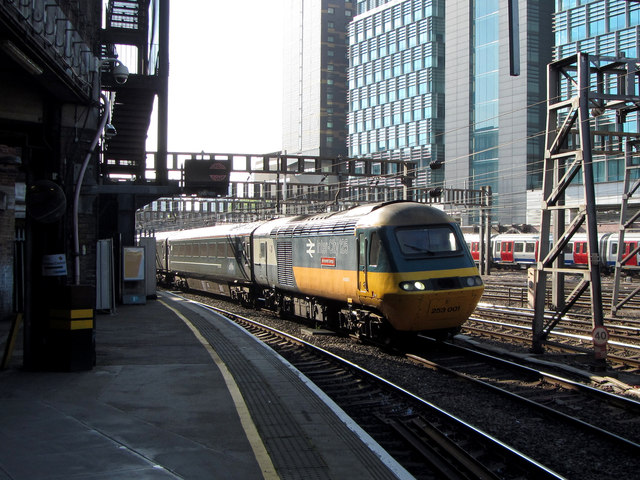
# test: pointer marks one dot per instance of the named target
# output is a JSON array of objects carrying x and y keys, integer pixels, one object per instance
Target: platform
[{"x": 165, "y": 402}]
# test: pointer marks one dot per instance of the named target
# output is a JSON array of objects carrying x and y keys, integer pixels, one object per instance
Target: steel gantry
[
  {"x": 580, "y": 88},
  {"x": 627, "y": 250},
  {"x": 263, "y": 186}
]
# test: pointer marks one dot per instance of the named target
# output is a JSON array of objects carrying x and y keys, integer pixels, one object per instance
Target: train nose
[{"x": 413, "y": 311}]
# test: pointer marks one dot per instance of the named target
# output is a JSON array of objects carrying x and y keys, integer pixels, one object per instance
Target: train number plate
[{"x": 445, "y": 309}]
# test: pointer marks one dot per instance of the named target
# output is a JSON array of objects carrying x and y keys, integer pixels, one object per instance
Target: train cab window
[
  {"x": 375, "y": 249},
  {"x": 362, "y": 245},
  {"x": 427, "y": 240},
  {"x": 614, "y": 248},
  {"x": 518, "y": 247}
]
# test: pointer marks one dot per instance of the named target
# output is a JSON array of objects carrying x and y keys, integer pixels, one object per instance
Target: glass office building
[
  {"x": 607, "y": 28},
  {"x": 396, "y": 83},
  {"x": 315, "y": 77},
  {"x": 495, "y": 121}
]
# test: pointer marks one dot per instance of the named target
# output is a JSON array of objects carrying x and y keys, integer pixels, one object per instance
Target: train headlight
[
  {"x": 413, "y": 286},
  {"x": 473, "y": 281},
  {"x": 406, "y": 286}
]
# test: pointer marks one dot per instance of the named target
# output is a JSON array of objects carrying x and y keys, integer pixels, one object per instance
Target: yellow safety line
[{"x": 259, "y": 450}]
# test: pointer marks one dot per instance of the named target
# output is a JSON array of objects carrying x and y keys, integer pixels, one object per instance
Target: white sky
[{"x": 225, "y": 77}]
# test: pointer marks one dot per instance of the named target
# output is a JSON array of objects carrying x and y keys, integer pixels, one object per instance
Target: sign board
[
  {"x": 133, "y": 276},
  {"x": 133, "y": 263},
  {"x": 54, "y": 265},
  {"x": 207, "y": 176},
  {"x": 600, "y": 336}
]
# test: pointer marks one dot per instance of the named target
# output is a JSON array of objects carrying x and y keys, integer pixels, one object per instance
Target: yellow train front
[{"x": 376, "y": 269}]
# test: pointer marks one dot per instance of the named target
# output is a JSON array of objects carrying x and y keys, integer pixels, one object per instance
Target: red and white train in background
[{"x": 520, "y": 250}]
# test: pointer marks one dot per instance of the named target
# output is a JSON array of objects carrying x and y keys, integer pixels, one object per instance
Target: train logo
[{"x": 311, "y": 248}]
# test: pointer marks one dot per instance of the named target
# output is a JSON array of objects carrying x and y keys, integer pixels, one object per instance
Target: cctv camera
[
  {"x": 110, "y": 131},
  {"x": 120, "y": 73}
]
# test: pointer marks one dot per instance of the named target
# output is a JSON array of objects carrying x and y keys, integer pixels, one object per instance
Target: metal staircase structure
[
  {"x": 132, "y": 25},
  {"x": 580, "y": 88}
]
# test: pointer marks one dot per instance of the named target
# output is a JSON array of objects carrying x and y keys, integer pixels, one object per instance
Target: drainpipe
[{"x": 76, "y": 198}]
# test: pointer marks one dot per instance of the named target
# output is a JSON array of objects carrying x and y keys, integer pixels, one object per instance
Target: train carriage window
[
  {"x": 427, "y": 240},
  {"x": 221, "y": 249},
  {"x": 519, "y": 247},
  {"x": 530, "y": 247},
  {"x": 568, "y": 248},
  {"x": 614, "y": 249}
]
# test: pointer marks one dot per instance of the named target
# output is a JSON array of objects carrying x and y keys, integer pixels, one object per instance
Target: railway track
[
  {"x": 558, "y": 398},
  {"x": 426, "y": 440},
  {"x": 538, "y": 402},
  {"x": 516, "y": 293},
  {"x": 572, "y": 334}
]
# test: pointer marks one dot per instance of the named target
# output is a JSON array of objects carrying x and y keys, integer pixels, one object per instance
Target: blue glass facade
[
  {"x": 607, "y": 28},
  {"x": 495, "y": 122},
  {"x": 486, "y": 92},
  {"x": 396, "y": 82}
]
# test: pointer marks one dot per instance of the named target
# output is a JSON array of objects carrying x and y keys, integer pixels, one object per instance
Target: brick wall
[{"x": 8, "y": 175}]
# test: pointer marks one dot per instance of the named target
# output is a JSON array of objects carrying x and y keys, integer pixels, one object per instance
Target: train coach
[
  {"x": 520, "y": 250},
  {"x": 374, "y": 270}
]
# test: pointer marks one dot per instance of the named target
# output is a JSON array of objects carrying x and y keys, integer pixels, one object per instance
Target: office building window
[
  {"x": 617, "y": 15},
  {"x": 578, "y": 27},
  {"x": 596, "y": 19}
]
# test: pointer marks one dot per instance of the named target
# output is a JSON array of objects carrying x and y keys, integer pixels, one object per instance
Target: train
[
  {"x": 377, "y": 271},
  {"x": 520, "y": 250}
]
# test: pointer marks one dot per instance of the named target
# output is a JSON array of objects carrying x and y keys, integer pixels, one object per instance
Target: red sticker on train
[{"x": 328, "y": 261}]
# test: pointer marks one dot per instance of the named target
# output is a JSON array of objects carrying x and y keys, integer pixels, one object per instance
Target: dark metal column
[
  {"x": 589, "y": 189},
  {"x": 163, "y": 94}
]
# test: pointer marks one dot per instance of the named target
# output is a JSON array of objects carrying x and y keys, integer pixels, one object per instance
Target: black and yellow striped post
[{"x": 71, "y": 329}]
